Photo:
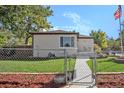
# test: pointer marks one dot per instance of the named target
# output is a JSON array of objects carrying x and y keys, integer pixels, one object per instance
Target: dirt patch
[
  {"x": 28, "y": 81},
  {"x": 110, "y": 80}
]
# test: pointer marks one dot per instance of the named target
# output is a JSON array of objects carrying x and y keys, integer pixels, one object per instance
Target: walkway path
[{"x": 82, "y": 73}]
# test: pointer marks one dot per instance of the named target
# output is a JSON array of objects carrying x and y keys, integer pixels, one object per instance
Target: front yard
[
  {"x": 107, "y": 65},
  {"x": 43, "y": 66},
  {"x": 41, "y": 73},
  {"x": 109, "y": 80}
]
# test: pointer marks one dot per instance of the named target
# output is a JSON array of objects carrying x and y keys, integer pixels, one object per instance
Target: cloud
[
  {"x": 78, "y": 24},
  {"x": 74, "y": 16}
]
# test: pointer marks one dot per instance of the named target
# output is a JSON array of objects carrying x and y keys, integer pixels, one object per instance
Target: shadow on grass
[
  {"x": 106, "y": 60},
  {"x": 31, "y": 59}
]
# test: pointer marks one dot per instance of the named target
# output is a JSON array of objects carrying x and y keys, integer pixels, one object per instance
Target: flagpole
[{"x": 121, "y": 36}]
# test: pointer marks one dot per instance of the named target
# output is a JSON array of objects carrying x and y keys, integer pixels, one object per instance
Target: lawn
[
  {"x": 107, "y": 65},
  {"x": 52, "y": 65}
]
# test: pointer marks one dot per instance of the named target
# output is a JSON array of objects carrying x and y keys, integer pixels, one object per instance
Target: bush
[{"x": 97, "y": 49}]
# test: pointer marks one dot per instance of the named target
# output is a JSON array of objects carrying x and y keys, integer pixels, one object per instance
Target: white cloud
[
  {"x": 74, "y": 16},
  {"x": 81, "y": 25}
]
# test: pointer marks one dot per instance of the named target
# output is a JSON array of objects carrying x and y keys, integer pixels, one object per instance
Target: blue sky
[{"x": 84, "y": 18}]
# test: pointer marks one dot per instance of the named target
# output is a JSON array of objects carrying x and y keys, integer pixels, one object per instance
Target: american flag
[{"x": 118, "y": 12}]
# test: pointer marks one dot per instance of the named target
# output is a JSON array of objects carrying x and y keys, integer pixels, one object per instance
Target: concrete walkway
[
  {"x": 82, "y": 73},
  {"x": 79, "y": 86}
]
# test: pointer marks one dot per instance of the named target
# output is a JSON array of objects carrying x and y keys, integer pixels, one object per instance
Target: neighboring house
[{"x": 55, "y": 41}]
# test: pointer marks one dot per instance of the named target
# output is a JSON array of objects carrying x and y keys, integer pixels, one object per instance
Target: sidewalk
[
  {"x": 82, "y": 71},
  {"x": 82, "y": 74},
  {"x": 79, "y": 86}
]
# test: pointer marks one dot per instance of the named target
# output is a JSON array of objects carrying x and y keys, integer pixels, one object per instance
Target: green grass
[
  {"x": 107, "y": 65},
  {"x": 53, "y": 65}
]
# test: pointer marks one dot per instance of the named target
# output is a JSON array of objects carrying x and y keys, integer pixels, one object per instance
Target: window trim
[{"x": 70, "y": 42}]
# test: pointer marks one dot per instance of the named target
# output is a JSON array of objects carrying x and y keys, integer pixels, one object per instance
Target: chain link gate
[{"x": 83, "y": 73}]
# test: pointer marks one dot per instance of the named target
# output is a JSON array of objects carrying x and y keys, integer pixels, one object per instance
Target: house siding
[
  {"x": 85, "y": 45},
  {"x": 43, "y": 44}
]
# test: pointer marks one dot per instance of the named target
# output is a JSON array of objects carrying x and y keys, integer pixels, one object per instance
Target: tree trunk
[{"x": 26, "y": 40}]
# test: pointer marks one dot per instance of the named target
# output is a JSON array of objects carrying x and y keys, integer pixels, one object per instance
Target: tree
[
  {"x": 21, "y": 20},
  {"x": 99, "y": 38},
  {"x": 97, "y": 49},
  {"x": 6, "y": 39},
  {"x": 113, "y": 44}
]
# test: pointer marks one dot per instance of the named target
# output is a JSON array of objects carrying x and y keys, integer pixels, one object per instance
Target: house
[{"x": 54, "y": 42}]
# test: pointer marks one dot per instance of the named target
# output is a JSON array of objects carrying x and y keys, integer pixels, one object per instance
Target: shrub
[{"x": 97, "y": 49}]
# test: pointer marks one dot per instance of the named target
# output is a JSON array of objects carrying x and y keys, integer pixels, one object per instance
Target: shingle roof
[
  {"x": 84, "y": 36},
  {"x": 55, "y": 31},
  {"x": 61, "y": 32}
]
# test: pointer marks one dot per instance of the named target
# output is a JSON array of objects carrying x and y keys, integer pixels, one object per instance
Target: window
[{"x": 66, "y": 41}]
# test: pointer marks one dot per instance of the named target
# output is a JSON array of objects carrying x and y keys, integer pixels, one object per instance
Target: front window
[{"x": 66, "y": 41}]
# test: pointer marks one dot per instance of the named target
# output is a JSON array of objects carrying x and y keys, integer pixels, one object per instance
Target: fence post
[
  {"x": 95, "y": 67},
  {"x": 65, "y": 65}
]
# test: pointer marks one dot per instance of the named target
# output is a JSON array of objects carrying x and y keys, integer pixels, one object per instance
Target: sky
[{"x": 84, "y": 18}]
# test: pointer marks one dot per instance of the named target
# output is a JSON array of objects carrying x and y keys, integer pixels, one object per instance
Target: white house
[{"x": 55, "y": 41}]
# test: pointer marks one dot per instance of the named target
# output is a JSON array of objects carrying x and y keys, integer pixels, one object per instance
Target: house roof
[
  {"x": 84, "y": 36},
  {"x": 55, "y": 32},
  {"x": 61, "y": 32}
]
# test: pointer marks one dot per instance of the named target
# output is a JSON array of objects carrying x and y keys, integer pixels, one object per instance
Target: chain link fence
[
  {"x": 66, "y": 68},
  {"x": 30, "y": 61},
  {"x": 51, "y": 59}
]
